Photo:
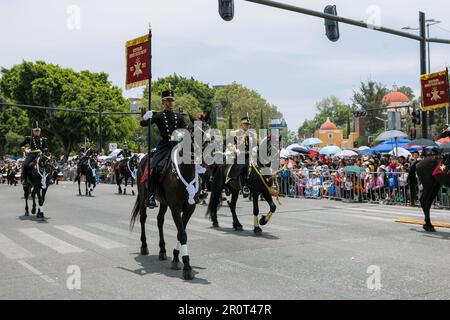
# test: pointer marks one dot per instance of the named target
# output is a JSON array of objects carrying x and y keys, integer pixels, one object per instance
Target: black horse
[
  {"x": 258, "y": 185},
  {"x": 88, "y": 169},
  {"x": 172, "y": 193},
  {"x": 37, "y": 182},
  {"x": 431, "y": 185},
  {"x": 11, "y": 176},
  {"x": 127, "y": 169}
]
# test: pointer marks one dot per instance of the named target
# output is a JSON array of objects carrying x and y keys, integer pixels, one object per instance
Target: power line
[{"x": 443, "y": 29}]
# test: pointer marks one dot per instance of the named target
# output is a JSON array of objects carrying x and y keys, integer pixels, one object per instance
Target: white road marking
[
  {"x": 12, "y": 250},
  {"x": 114, "y": 230},
  {"x": 50, "y": 241},
  {"x": 358, "y": 216},
  {"x": 90, "y": 237},
  {"x": 37, "y": 272},
  {"x": 198, "y": 229},
  {"x": 154, "y": 229}
]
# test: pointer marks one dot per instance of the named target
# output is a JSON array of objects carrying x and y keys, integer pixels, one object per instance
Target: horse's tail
[
  {"x": 216, "y": 190},
  {"x": 412, "y": 182},
  {"x": 136, "y": 209},
  {"x": 140, "y": 198}
]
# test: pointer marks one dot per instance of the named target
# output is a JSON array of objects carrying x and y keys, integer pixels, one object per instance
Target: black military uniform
[
  {"x": 37, "y": 144},
  {"x": 124, "y": 152},
  {"x": 167, "y": 121},
  {"x": 241, "y": 170}
]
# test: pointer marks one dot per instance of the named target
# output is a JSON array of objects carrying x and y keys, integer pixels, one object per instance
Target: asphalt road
[{"x": 311, "y": 249}]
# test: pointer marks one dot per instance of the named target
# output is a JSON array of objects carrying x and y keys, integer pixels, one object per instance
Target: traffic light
[
  {"x": 416, "y": 117},
  {"x": 360, "y": 114},
  {"x": 412, "y": 134},
  {"x": 226, "y": 9},
  {"x": 331, "y": 26}
]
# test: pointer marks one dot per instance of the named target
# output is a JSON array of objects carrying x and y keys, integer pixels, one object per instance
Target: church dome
[
  {"x": 395, "y": 97},
  {"x": 328, "y": 125}
]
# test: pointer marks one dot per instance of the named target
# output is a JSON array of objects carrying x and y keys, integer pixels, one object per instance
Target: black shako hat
[
  {"x": 245, "y": 119},
  {"x": 167, "y": 94}
]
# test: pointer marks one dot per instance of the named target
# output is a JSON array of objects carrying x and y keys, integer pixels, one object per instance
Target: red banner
[
  {"x": 435, "y": 90},
  {"x": 138, "y": 57}
]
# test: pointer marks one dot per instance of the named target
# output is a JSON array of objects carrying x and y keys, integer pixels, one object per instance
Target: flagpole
[{"x": 149, "y": 134}]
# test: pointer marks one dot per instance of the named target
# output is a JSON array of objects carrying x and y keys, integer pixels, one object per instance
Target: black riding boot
[{"x": 153, "y": 179}]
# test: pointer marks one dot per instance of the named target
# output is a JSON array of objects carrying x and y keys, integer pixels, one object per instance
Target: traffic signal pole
[{"x": 423, "y": 67}]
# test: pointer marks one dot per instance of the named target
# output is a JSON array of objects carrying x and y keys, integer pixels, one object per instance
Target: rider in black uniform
[
  {"x": 37, "y": 144},
  {"x": 124, "y": 152},
  {"x": 167, "y": 121}
]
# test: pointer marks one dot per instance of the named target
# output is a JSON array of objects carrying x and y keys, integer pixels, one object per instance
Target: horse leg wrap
[
  {"x": 184, "y": 250},
  {"x": 255, "y": 221},
  {"x": 269, "y": 216}
]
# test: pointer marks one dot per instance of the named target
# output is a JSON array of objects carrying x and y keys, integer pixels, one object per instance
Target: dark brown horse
[
  {"x": 126, "y": 169},
  {"x": 38, "y": 180},
  {"x": 172, "y": 193},
  {"x": 431, "y": 186}
]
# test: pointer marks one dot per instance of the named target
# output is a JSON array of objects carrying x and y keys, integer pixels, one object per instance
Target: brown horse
[{"x": 172, "y": 193}]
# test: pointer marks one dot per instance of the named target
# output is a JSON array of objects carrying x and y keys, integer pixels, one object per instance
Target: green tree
[
  {"x": 370, "y": 96},
  {"x": 12, "y": 120},
  {"x": 332, "y": 108},
  {"x": 12, "y": 140},
  {"x": 45, "y": 84},
  {"x": 239, "y": 100}
]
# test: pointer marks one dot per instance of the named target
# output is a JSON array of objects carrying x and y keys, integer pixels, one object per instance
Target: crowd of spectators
[{"x": 360, "y": 178}]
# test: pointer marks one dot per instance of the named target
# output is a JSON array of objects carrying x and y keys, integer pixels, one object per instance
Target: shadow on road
[
  {"x": 33, "y": 218},
  {"x": 435, "y": 235},
  {"x": 151, "y": 265}
]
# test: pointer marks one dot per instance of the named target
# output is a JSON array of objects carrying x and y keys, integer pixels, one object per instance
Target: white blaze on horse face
[{"x": 184, "y": 250}]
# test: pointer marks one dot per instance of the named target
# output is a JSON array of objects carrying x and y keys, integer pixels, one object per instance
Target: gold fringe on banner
[
  {"x": 136, "y": 84},
  {"x": 136, "y": 41}
]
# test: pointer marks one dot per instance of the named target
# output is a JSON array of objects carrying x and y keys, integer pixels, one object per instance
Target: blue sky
[{"x": 284, "y": 56}]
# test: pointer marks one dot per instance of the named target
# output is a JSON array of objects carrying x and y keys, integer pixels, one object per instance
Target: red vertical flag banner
[
  {"x": 137, "y": 58},
  {"x": 435, "y": 90}
]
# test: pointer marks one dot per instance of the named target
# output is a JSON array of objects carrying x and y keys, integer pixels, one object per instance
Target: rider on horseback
[
  {"x": 37, "y": 144},
  {"x": 167, "y": 122},
  {"x": 243, "y": 137},
  {"x": 125, "y": 152},
  {"x": 85, "y": 152}
]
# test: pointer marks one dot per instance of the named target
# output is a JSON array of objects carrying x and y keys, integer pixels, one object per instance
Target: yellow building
[{"x": 332, "y": 136}]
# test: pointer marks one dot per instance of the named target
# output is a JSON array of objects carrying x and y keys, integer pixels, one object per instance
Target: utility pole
[
  {"x": 423, "y": 67},
  {"x": 100, "y": 125}
]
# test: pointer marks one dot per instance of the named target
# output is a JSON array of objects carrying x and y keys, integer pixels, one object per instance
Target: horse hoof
[
  {"x": 175, "y": 265},
  {"x": 162, "y": 256},
  {"x": 215, "y": 225},
  {"x": 33, "y": 211},
  {"x": 263, "y": 221},
  {"x": 429, "y": 228},
  {"x": 26, "y": 214},
  {"x": 144, "y": 251},
  {"x": 125, "y": 192},
  {"x": 132, "y": 192},
  {"x": 238, "y": 227},
  {"x": 120, "y": 192},
  {"x": 257, "y": 230},
  {"x": 188, "y": 274}
]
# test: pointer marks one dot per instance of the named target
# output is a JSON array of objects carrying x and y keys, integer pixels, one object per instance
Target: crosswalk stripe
[
  {"x": 90, "y": 237},
  {"x": 191, "y": 227},
  {"x": 173, "y": 233},
  {"x": 12, "y": 250},
  {"x": 50, "y": 241},
  {"x": 114, "y": 230}
]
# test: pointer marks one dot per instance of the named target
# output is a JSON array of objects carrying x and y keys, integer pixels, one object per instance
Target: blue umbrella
[
  {"x": 387, "y": 146},
  {"x": 311, "y": 141},
  {"x": 330, "y": 150}
]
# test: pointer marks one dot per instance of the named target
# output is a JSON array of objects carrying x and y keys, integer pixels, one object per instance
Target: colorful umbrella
[
  {"x": 330, "y": 150},
  {"x": 311, "y": 142},
  {"x": 346, "y": 153},
  {"x": 444, "y": 140}
]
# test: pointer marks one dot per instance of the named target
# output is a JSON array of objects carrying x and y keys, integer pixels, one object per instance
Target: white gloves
[{"x": 148, "y": 115}]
